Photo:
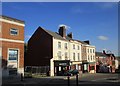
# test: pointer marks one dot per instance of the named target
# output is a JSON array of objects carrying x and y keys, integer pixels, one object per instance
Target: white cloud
[
  {"x": 66, "y": 26},
  {"x": 103, "y": 38}
]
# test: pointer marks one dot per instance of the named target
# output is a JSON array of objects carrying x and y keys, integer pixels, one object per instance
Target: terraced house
[
  {"x": 12, "y": 45},
  {"x": 57, "y": 52}
]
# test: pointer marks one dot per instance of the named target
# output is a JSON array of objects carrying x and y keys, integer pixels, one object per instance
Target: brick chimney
[
  {"x": 70, "y": 35},
  {"x": 87, "y": 41},
  {"x": 62, "y": 31},
  {"x": 104, "y": 52}
]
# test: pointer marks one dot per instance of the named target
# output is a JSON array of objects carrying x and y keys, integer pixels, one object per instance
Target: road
[{"x": 84, "y": 79}]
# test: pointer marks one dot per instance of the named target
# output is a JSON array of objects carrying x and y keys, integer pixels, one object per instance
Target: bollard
[
  {"x": 77, "y": 80},
  {"x": 68, "y": 80},
  {"x": 21, "y": 76}
]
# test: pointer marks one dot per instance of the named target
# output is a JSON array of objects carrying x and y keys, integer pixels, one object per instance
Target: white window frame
[
  {"x": 73, "y": 46},
  {"x": 14, "y": 29},
  {"x": 59, "y": 45},
  {"x": 59, "y": 55},
  {"x": 17, "y": 57},
  {"x": 73, "y": 56},
  {"x": 66, "y": 46}
]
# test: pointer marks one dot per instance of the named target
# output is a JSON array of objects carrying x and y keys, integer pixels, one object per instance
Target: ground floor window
[
  {"x": 92, "y": 67},
  {"x": 13, "y": 54},
  {"x": 13, "y": 71}
]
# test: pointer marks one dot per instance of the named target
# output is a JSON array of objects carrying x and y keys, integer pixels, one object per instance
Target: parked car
[{"x": 71, "y": 72}]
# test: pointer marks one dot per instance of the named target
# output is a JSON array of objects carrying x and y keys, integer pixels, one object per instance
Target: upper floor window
[
  {"x": 66, "y": 56},
  {"x": 59, "y": 45},
  {"x": 93, "y": 51},
  {"x": 73, "y": 46},
  {"x": 59, "y": 55},
  {"x": 88, "y": 50},
  {"x": 0, "y": 28},
  {"x": 78, "y": 47},
  {"x": 88, "y": 57},
  {"x": 66, "y": 47},
  {"x": 13, "y": 54},
  {"x": 91, "y": 57},
  {"x": 78, "y": 56},
  {"x": 74, "y": 56},
  {"x": 13, "y": 31}
]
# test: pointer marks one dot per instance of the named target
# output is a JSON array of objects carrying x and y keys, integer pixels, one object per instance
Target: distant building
[
  {"x": 107, "y": 60},
  {"x": 12, "y": 45},
  {"x": 58, "y": 52}
]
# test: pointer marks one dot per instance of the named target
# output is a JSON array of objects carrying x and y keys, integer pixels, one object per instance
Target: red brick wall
[
  {"x": 6, "y": 31},
  {"x": 20, "y": 46}
]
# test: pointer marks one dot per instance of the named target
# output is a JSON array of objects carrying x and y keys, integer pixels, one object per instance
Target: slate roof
[
  {"x": 12, "y": 19},
  {"x": 100, "y": 54},
  {"x": 57, "y": 36}
]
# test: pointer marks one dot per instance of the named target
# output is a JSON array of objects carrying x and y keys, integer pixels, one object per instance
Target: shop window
[
  {"x": 92, "y": 67},
  {"x": 13, "y": 71},
  {"x": 13, "y": 54}
]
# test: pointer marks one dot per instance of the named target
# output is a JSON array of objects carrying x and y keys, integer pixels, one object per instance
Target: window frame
[
  {"x": 14, "y": 29},
  {"x": 73, "y": 46},
  {"x": 59, "y": 55},
  {"x": 74, "y": 56},
  {"x": 59, "y": 45},
  {"x": 12, "y": 50},
  {"x": 66, "y": 46}
]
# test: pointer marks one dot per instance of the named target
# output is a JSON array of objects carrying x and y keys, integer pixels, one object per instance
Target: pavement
[{"x": 84, "y": 79}]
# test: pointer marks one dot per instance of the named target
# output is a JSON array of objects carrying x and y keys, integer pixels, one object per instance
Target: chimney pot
[{"x": 70, "y": 35}]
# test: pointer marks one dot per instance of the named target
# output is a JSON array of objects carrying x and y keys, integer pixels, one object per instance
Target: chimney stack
[
  {"x": 62, "y": 31},
  {"x": 70, "y": 35},
  {"x": 104, "y": 52},
  {"x": 87, "y": 41}
]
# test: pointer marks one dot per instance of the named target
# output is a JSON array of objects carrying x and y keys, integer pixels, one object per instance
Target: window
[
  {"x": 88, "y": 57},
  {"x": 78, "y": 47},
  {"x": 93, "y": 51},
  {"x": 73, "y": 46},
  {"x": 13, "y": 31},
  {"x": 88, "y": 50},
  {"x": 59, "y": 45},
  {"x": 78, "y": 56},
  {"x": 66, "y": 46},
  {"x": 59, "y": 55},
  {"x": 13, "y": 54},
  {"x": 74, "y": 56},
  {"x": 0, "y": 28},
  {"x": 66, "y": 57},
  {"x": 91, "y": 57}
]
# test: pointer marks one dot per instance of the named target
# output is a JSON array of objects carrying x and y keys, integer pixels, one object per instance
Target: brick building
[
  {"x": 106, "y": 61},
  {"x": 12, "y": 45},
  {"x": 58, "y": 52}
]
